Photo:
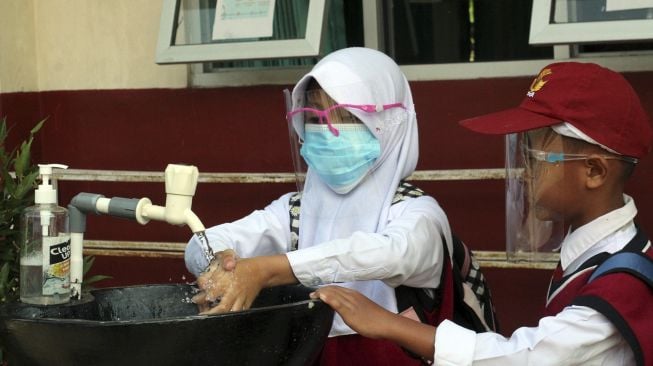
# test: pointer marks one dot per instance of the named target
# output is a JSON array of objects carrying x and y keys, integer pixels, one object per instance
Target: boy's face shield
[{"x": 536, "y": 195}]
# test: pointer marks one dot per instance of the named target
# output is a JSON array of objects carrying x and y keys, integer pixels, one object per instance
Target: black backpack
[{"x": 463, "y": 296}]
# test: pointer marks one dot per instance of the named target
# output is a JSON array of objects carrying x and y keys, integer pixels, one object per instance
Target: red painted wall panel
[{"x": 242, "y": 129}]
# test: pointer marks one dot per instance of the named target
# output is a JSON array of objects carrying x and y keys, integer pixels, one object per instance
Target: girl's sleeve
[
  {"x": 408, "y": 251},
  {"x": 263, "y": 232}
]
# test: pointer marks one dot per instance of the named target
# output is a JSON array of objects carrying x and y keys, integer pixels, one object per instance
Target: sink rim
[
  {"x": 91, "y": 297},
  {"x": 184, "y": 318}
]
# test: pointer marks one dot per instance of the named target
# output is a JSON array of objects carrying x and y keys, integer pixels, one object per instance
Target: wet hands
[{"x": 233, "y": 282}]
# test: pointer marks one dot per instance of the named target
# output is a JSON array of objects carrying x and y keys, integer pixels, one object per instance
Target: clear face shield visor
[
  {"x": 332, "y": 139},
  {"x": 535, "y": 194}
]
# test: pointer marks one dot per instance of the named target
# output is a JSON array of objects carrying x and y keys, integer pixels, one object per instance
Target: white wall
[
  {"x": 82, "y": 44},
  {"x": 17, "y": 46}
]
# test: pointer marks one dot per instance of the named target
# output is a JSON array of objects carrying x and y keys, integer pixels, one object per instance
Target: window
[
  {"x": 430, "y": 39},
  {"x": 186, "y": 33},
  {"x": 446, "y": 31},
  {"x": 586, "y": 21}
]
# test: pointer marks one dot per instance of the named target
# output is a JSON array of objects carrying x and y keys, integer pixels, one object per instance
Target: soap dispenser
[{"x": 45, "y": 246}]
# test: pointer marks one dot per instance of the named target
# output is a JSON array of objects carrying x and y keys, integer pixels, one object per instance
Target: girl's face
[{"x": 318, "y": 99}]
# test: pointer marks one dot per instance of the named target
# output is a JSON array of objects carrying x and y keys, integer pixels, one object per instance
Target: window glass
[
  {"x": 577, "y": 11},
  {"x": 289, "y": 21},
  {"x": 446, "y": 31},
  {"x": 615, "y": 47},
  {"x": 343, "y": 23},
  {"x": 591, "y": 21}
]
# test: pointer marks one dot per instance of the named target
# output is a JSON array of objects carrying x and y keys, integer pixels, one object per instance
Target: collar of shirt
[{"x": 607, "y": 233}]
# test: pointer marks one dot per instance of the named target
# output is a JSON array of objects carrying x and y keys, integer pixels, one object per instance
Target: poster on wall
[{"x": 236, "y": 19}]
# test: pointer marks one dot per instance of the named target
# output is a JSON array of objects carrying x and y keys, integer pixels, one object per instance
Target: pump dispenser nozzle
[{"x": 46, "y": 193}]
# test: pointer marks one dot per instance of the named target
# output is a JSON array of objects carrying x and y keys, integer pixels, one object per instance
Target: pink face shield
[
  {"x": 312, "y": 115},
  {"x": 320, "y": 109},
  {"x": 315, "y": 110}
]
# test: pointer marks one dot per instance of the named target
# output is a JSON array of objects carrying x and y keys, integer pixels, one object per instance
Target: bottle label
[{"x": 57, "y": 272}]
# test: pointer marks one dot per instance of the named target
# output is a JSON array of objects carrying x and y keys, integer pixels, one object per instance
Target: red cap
[{"x": 597, "y": 101}]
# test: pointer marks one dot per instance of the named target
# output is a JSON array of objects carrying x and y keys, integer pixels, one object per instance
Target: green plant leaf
[
  {"x": 5, "y": 284},
  {"x": 38, "y": 126},
  {"x": 17, "y": 192},
  {"x": 3, "y": 130},
  {"x": 27, "y": 185},
  {"x": 22, "y": 160},
  {"x": 87, "y": 263},
  {"x": 88, "y": 281}
]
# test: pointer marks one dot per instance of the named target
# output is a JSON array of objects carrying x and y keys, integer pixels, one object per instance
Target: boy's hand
[
  {"x": 372, "y": 321},
  {"x": 359, "y": 313}
]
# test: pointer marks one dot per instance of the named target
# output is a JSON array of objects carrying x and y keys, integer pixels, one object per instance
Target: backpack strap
[
  {"x": 406, "y": 190},
  {"x": 465, "y": 267},
  {"x": 479, "y": 314},
  {"x": 634, "y": 263},
  {"x": 295, "y": 203}
]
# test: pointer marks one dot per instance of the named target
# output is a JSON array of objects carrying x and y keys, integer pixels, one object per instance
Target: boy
[{"x": 581, "y": 131}]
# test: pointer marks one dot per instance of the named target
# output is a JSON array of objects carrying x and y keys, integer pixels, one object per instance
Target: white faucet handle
[{"x": 181, "y": 179}]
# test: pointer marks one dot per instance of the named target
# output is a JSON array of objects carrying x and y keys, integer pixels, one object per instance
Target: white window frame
[
  {"x": 623, "y": 62},
  {"x": 169, "y": 53},
  {"x": 544, "y": 32}
]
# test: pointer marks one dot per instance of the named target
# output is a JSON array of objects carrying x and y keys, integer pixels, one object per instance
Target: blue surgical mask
[{"x": 340, "y": 161}]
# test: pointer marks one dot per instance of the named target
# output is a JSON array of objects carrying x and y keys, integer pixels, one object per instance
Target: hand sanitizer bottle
[{"x": 45, "y": 246}]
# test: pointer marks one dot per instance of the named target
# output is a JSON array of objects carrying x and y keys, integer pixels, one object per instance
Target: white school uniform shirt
[
  {"x": 578, "y": 335},
  {"x": 408, "y": 251}
]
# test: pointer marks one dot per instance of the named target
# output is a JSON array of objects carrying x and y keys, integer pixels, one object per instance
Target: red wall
[{"x": 243, "y": 130}]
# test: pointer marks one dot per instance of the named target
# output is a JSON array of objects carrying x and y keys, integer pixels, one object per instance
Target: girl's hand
[{"x": 237, "y": 288}]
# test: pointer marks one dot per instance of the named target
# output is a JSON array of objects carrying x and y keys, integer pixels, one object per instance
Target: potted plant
[
  {"x": 18, "y": 179},
  {"x": 17, "y": 193}
]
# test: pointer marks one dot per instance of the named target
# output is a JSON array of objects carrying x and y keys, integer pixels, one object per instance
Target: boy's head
[
  {"x": 577, "y": 135},
  {"x": 579, "y": 100}
]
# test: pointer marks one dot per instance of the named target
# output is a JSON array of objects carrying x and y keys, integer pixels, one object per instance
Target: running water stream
[{"x": 204, "y": 241}]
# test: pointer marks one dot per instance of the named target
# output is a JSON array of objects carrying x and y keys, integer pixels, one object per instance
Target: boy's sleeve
[
  {"x": 576, "y": 336},
  {"x": 454, "y": 345}
]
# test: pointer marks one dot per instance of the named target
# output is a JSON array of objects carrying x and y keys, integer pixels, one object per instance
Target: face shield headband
[{"x": 322, "y": 116}]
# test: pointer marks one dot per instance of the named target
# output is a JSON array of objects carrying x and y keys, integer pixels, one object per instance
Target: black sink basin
[{"x": 158, "y": 325}]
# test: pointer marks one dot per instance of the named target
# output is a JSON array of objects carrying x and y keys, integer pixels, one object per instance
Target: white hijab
[{"x": 360, "y": 76}]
